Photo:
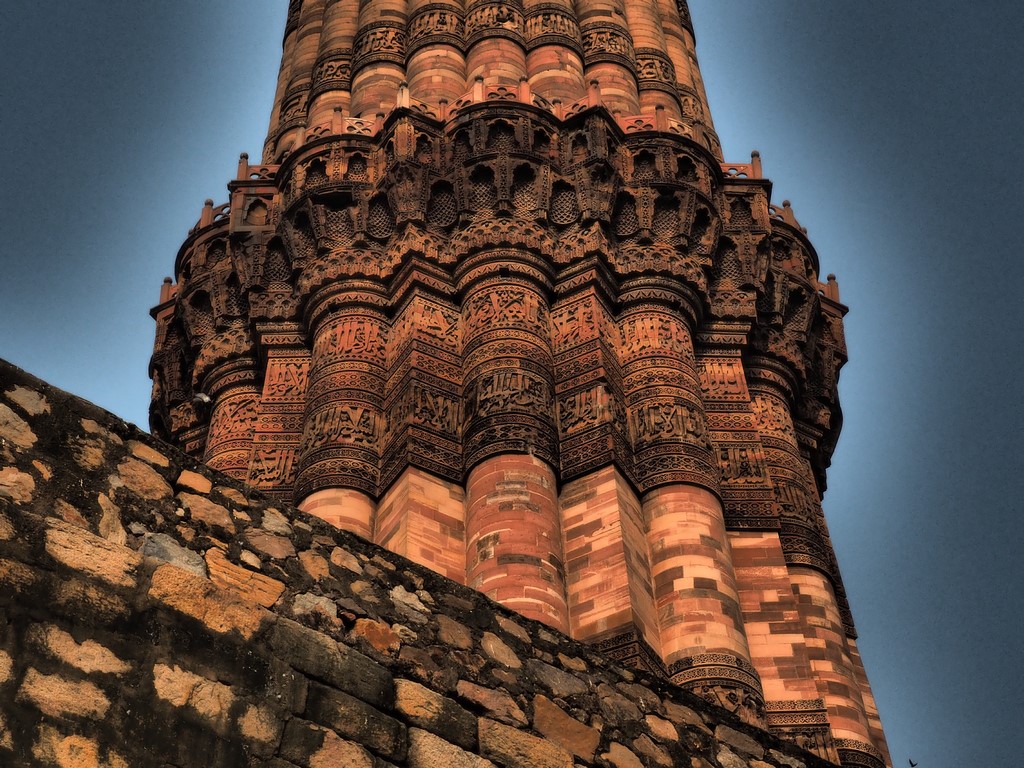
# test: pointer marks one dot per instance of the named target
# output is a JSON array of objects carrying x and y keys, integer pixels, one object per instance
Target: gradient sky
[{"x": 896, "y": 129}]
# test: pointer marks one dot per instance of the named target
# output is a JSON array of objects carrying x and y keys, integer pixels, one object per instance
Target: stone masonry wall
[{"x": 156, "y": 613}]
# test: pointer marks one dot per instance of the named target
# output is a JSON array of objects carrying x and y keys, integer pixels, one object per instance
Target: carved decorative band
[
  {"x": 294, "y": 9},
  {"x": 379, "y": 41},
  {"x": 858, "y": 753},
  {"x": 293, "y": 107},
  {"x": 608, "y": 42},
  {"x": 551, "y": 24},
  {"x": 654, "y": 65},
  {"x": 715, "y": 666},
  {"x": 332, "y": 71},
  {"x": 435, "y": 24},
  {"x": 796, "y": 712},
  {"x": 725, "y": 680},
  {"x": 684, "y": 15},
  {"x": 495, "y": 19},
  {"x": 631, "y": 649}
]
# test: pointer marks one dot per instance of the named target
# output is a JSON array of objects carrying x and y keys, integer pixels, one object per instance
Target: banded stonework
[{"x": 493, "y": 299}]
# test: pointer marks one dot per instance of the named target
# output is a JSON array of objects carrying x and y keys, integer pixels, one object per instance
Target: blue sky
[{"x": 896, "y": 130}]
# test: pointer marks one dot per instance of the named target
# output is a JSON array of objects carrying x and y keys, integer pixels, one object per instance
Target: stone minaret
[{"x": 492, "y": 300}]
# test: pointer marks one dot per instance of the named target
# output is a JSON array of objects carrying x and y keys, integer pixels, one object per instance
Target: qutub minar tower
[{"x": 493, "y": 300}]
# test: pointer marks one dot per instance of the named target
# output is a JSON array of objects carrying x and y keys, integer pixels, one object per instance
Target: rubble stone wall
[{"x": 154, "y": 612}]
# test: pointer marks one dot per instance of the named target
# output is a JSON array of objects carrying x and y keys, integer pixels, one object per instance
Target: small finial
[
  {"x": 755, "y": 162},
  {"x": 786, "y": 203},
  {"x": 168, "y": 281}
]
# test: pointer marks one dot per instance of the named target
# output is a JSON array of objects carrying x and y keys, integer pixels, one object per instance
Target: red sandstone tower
[{"x": 493, "y": 300}]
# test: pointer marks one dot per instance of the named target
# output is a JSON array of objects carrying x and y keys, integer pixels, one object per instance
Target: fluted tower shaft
[{"x": 493, "y": 300}]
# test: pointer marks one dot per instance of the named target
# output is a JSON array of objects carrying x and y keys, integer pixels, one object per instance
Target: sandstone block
[
  {"x": 260, "y": 725},
  {"x": 54, "y": 748},
  {"x": 32, "y": 402},
  {"x": 270, "y": 544},
  {"x": 15, "y": 577},
  {"x": 729, "y": 759},
  {"x": 143, "y": 480},
  {"x": 249, "y": 585},
  {"x": 513, "y": 747},
  {"x": 15, "y": 429},
  {"x": 621, "y": 757},
  {"x": 76, "y": 597},
  {"x": 563, "y": 730},
  {"x": 314, "y": 565},
  {"x": 427, "y": 750},
  {"x": 275, "y": 522},
  {"x": 205, "y": 511},
  {"x": 654, "y": 753},
  {"x": 181, "y": 688},
  {"x": 499, "y": 651},
  {"x": 514, "y": 629},
  {"x": 220, "y": 610},
  {"x": 338, "y": 665},
  {"x": 57, "y": 697},
  {"x": 450, "y": 632},
  {"x": 144, "y": 452},
  {"x": 433, "y": 712},
  {"x": 109, "y": 526},
  {"x": 616, "y": 708},
  {"x": 89, "y": 656},
  {"x": 741, "y": 741},
  {"x": 353, "y": 719},
  {"x": 6, "y": 667},
  {"x": 90, "y": 555},
  {"x": 662, "y": 729},
  {"x": 69, "y": 514},
  {"x": 193, "y": 481},
  {"x": 683, "y": 716},
  {"x": 16, "y": 485},
  {"x": 378, "y": 634},
  {"x": 561, "y": 684},
  {"x": 309, "y": 745},
  {"x": 344, "y": 559},
  {"x": 497, "y": 703}
]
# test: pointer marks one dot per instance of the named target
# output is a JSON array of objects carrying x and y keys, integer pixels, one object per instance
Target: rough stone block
[
  {"x": 90, "y": 555},
  {"x": 338, "y": 665},
  {"x": 433, "y": 712},
  {"x": 498, "y": 704},
  {"x": 56, "y": 696},
  {"x": 354, "y": 719},
  {"x": 247, "y": 584},
  {"x": 513, "y": 747},
  {"x": 220, "y": 610},
  {"x": 426, "y": 750},
  {"x": 89, "y": 656},
  {"x": 181, "y": 688},
  {"x": 561, "y": 684},
  {"x": 16, "y": 485},
  {"x": 563, "y": 730},
  {"x": 143, "y": 480}
]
